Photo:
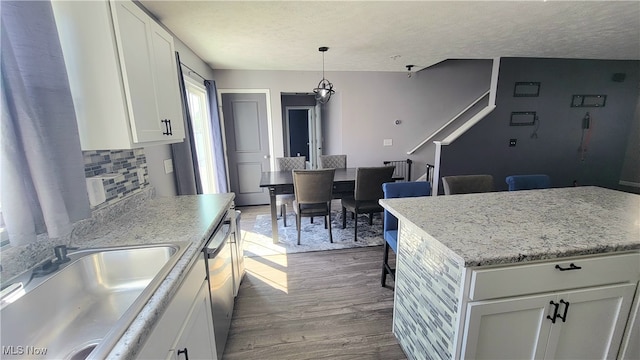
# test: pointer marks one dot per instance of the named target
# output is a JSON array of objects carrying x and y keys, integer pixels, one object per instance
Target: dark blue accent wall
[{"x": 484, "y": 149}]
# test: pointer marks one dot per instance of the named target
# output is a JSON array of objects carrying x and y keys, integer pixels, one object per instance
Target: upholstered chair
[
  {"x": 288, "y": 164},
  {"x": 390, "y": 233},
  {"x": 333, "y": 161},
  {"x": 528, "y": 182},
  {"x": 467, "y": 184},
  {"x": 368, "y": 190},
  {"x": 313, "y": 193}
]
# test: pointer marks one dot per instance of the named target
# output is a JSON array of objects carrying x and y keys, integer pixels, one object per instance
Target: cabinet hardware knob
[
  {"x": 572, "y": 266},
  {"x": 555, "y": 312},
  {"x": 566, "y": 309},
  {"x": 185, "y": 352}
]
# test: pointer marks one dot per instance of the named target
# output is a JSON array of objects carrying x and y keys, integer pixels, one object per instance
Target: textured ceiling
[{"x": 368, "y": 35}]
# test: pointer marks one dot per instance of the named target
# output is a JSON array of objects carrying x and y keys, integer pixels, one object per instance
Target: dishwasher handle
[{"x": 218, "y": 239}]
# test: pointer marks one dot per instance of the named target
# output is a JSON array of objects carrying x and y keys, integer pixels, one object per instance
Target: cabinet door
[
  {"x": 166, "y": 80},
  {"x": 515, "y": 328},
  {"x": 133, "y": 29},
  {"x": 594, "y": 323},
  {"x": 196, "y": 339}
]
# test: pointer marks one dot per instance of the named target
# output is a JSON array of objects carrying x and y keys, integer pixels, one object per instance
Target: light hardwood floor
[{"x": 315, "y": 305}]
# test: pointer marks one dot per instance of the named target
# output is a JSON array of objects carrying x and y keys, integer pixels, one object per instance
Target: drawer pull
[
  {"x": 566, "y": 308},
  {"x": 555, "y": 312},
  {"x": 185, "y": 352},
  {"x": 572, "y": 266}
]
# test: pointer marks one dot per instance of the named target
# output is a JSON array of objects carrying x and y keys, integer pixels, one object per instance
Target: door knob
[{"x": 266, "y": 156}]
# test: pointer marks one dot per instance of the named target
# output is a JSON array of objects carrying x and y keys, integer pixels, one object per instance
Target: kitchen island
[{"x": 492, "y": 275}]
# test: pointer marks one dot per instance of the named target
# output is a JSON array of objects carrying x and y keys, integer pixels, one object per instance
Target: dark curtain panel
[
  {"x": 185, "y": 159},
  {"x": 216, "y": 130}
]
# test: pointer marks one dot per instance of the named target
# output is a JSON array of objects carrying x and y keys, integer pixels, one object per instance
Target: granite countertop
[
  {"x": 189, "y": 219},
  {"x": 519, "y": 226}
]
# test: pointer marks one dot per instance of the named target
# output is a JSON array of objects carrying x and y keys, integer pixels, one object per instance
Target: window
[{"x": 201, "y": 124}]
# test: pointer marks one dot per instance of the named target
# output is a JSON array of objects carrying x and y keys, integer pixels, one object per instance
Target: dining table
[{"x": 281, "y": 182}]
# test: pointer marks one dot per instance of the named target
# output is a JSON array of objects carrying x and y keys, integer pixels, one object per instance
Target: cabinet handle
[
  {"x": 572, "y": 266},
  {"x": 555, "y": 312},
  {"x": 167, "y": 127},
  {"x": 184, "y": 351},
  {"x": 566, "y": 308}
]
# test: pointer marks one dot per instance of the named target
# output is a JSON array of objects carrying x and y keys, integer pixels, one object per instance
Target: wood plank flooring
[{"x": 316, "y": 305}]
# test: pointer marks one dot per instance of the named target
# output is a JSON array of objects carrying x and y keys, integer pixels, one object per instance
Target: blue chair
[
  {"x": 397, "y": 190},
  {"x": 528, "y": 182}
]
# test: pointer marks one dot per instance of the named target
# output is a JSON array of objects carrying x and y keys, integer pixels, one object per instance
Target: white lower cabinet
[
  {"x": 185, "y": 329},
  {"x": 195, "y": 339},
  {"x": 570, "y": 309}
]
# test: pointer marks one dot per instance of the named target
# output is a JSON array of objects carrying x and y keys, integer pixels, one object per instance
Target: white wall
[{"x": 362, "y": 112}]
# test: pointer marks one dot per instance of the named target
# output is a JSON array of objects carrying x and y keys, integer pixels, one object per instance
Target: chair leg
[
  {"x": 344, "y": 217},
  {"x": 385, "y": 261},
  {"x": 328, "y": 221},
  {"x": 312, "y": 219},
  {"x": 355, "y": 228},
  {"x": 283, "y": 211},
  {"x": 298, "y": 225},
  {"x": 370, "y": 219}
]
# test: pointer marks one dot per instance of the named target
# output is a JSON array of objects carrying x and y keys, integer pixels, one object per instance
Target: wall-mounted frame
[
  {"x": 526, "y": 89},
  {"x": 523, "y": 118},
  {"x": 588, "y": 100}
]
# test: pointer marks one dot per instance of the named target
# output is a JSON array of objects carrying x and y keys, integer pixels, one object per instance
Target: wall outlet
[
  {"x": 387, "y": 142},
  {"x": 168, "y": 166},
  {"x": 512, "y": 142}
]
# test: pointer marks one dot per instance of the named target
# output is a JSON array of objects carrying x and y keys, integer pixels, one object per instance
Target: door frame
[
  {"x": 267, "y": 93},
  {"x": 311, "y": 119}
]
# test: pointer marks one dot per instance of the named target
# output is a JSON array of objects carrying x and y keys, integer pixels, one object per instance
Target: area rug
[{"x": 313, "y": 237}]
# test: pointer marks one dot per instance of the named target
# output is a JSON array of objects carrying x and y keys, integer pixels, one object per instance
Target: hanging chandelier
[{"x": 325, "y": 87}]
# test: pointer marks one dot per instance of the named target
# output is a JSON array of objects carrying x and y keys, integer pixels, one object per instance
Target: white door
[
  {"x": 515, "y": 328},
  {"x": 594, "y": 323},
  {"x": 247, "y": 139}
]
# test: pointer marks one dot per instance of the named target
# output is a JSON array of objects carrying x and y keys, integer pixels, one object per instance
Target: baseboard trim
[{"x": 629, "y": 183}]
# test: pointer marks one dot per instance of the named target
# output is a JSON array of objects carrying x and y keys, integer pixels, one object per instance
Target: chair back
[
  {"x": 313, "y": 186},
  {"x": 467, "y": 184},
  {"x": 369, "y": 182},
  {"x": 403, "y": 168},
  {"x": 399, "y": 190},
  {"x": 333, "y": 161},
  {"x": 291, "y": 163},
  {"x": 528, "y": 182}
]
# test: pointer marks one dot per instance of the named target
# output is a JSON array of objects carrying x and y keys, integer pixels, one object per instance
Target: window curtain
[
  {"x": 216, "y": 130},
  {"x": 42, "y": 183},
  {"x": 185, "y": 161}
]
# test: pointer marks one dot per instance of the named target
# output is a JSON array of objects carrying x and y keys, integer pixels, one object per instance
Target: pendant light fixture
[{"x": 325, "y": 87}]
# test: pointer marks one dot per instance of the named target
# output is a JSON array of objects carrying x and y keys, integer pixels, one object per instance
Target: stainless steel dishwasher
[{"x": 220, "y": 276}]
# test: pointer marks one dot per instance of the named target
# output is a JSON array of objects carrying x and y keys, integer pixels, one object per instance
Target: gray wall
[
  {"x": 484, "y": 149},
  {"x": 362, "y": 112}
]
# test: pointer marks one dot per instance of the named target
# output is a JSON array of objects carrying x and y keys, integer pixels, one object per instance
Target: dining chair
[
  {"x": 467, "y": 184},
  {"x": 390, "y": 233},
  {"x": 368, "y": 190},
  {"x": 403, "y": 168},
  {"x": 288, "y": 164},
  {"x": 528, "y": 182},
  {"x": 333, "y": 161},
  {"x": 313, "y": 194}
]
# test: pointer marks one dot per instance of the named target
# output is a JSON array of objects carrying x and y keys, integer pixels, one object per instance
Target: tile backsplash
[{"x": 124, "y": 172}]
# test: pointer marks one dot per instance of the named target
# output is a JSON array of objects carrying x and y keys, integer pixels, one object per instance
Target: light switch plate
[
  {"x": 387, "y": 142},
  {"x": 168, "y": 166}
]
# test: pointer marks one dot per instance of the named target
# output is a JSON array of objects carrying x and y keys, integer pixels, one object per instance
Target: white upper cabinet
[{"x": 122, "y": 74}]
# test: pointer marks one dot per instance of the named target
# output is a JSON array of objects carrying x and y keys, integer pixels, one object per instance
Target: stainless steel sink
[{"x": 86, "y": 305}]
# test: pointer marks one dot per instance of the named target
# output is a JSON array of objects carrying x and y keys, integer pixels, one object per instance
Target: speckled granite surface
[{"x": 511, "y": 227}]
